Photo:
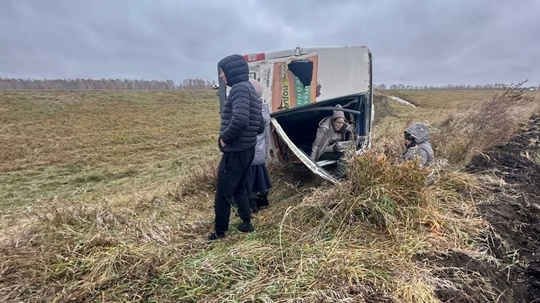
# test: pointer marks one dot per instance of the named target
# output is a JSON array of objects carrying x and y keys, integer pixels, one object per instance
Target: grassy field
[
  {"x": 85, "y": 144},
  {"x": 108, "y": 197}
]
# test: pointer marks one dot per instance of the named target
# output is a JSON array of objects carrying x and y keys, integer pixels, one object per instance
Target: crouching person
[
  {"x": 241, "y": 121},
  {"x": 417, "y": 145}
]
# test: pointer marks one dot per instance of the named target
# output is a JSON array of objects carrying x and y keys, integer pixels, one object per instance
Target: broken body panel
[{"x": 345, "y": 77}]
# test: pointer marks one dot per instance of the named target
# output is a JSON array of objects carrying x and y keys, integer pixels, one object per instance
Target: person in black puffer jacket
[{"x": 241, "y": 122}]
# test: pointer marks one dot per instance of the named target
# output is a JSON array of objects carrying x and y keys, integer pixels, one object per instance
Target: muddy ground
[{"x": 513, "y": 209}]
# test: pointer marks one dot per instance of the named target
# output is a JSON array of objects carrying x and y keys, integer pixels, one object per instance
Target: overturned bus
[{"x": 301, "y": 87}]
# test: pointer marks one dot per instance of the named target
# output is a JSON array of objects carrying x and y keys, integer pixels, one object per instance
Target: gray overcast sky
[{"x": 415, "y": 42}]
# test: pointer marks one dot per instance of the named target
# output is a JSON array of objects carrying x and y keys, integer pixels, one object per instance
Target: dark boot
[
  {"x": 245, "y": 227},
  {"x": 262, "y": 200},
  {"x": 216, "y": 236}
]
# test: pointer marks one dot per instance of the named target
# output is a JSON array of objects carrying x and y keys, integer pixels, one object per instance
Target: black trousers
[{"x": 232, "y": 182}]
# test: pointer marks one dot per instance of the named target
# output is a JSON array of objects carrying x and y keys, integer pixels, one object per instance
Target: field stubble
[{"x": 107, "y": 196}]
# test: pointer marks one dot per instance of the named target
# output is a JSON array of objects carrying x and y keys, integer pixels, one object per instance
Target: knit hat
[
  {"x": 257, "y": 86},
  {"x": 338, "y": 113}
]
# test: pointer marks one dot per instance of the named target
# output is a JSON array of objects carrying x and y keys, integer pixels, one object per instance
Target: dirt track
[{"x": 514, "y": 212}]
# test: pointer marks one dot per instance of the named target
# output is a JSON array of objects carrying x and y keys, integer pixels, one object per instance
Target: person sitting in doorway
[{"x": 332, "y": 133}]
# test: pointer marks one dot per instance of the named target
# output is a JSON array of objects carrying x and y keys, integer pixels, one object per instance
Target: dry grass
[
  {"x": 432, "y": 107},
  {"x": 119, "y": 212},
  {"x": 463, "y": 123},
  {"x": 461, "y": 136},
  {"x": 316, "y": 244},
  {"x": 76, "y": 143}
]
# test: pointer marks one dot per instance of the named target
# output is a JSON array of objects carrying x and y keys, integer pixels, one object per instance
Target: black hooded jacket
[{"x": 241, "y": 116}]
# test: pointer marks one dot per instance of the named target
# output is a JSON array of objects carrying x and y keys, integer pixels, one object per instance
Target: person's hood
[
  {"x": 419, "y": 131},
  {"x": 235, "y": 68},
  {"x": 326, "y": 122}
]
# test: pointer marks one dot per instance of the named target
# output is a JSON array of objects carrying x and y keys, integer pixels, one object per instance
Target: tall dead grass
[
  {"x": 463, "y": 134},
  {"x": 349, "y": 243},
  {"x": 371, "y": 227}
]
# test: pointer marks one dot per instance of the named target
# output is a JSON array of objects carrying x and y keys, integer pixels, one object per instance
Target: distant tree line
[
  {"x": 126, "y": 84},
  {"x": 102, "y": 84},
  {"x": 450, "y": 86}
]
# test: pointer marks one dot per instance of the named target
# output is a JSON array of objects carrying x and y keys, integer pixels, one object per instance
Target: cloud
[{"x": 417, "y": 42}]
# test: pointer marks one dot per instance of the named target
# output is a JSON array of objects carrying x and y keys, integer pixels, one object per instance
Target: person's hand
[
  {"x": 222, "y": 143},
  {"x": 344, "y": 129},
  {"x": 336, "y": 148}
]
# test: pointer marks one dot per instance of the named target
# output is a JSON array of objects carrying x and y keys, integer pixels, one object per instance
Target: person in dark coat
[{"x": 241, "y": 122}]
